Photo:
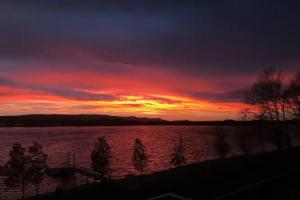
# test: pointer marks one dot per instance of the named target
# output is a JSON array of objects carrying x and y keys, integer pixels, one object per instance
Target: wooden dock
[
  {"x": 69, "y": 171},
  {"x": 86, "y": 172},
  {"x": 2, "y": 173}
]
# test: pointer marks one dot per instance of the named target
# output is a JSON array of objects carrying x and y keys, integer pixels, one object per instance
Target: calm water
[{"x": 158, "y": 141}]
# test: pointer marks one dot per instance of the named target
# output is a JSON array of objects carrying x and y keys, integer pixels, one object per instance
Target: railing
[
  {"x": 2, "y": 173},
  {"x": 70, "y": 170},
  {"x": 69, "y": 166},
  {"x": 86, "y": 172}
]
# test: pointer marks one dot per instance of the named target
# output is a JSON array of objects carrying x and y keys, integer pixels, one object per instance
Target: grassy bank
[{"x": 206, "y": 180}]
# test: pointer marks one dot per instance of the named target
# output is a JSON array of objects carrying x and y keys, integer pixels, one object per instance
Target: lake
[{"x": 79, "y": 141}]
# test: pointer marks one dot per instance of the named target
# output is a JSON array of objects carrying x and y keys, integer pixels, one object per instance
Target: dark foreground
[{"x": 273, "y": 175}]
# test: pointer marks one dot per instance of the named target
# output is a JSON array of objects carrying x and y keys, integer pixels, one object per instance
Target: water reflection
[{"x": 158, "y": 140}]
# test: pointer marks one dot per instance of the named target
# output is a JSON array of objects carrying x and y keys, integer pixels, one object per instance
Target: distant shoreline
[{"x": 107, "y": 120}]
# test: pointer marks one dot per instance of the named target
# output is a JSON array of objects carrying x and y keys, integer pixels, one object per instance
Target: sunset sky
[{"x": 168, "y": 59}]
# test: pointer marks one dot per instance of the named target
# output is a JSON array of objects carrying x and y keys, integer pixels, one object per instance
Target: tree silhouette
[
  {"x": 294, "y": 94},
  {"x": 101, "y": 158},
  {"x": 139, "y": 157},
  {"x": 221, "y": 146},
  {"x": 177, "y": 158},
  {"x": 242, "y": 134},
  {"x": 272, "y": 97},
  {"x": 16, "y": 168},
  {"x": 37, "y": 165},
  {"x": 243, "y": 138},
  {"x": 269, "y": 94}
]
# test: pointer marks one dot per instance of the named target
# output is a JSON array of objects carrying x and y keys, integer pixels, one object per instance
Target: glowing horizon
[
  {"x": 165, "y": 59},
  {"x": 42, "y": 97}
]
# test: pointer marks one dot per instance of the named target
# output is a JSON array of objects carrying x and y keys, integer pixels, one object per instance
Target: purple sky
[{"x": 99, "y": 54}]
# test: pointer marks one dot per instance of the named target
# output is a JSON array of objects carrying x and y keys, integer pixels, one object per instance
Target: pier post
[
  {"x": 68, "y": 161},
  {"x": 74, "y": 165}
]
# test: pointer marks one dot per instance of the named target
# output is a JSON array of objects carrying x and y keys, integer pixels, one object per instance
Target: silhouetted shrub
[
  {"x": 37, "y": 165},
  {"x": 25, "y": 167},
  {"x": 280, "y": 136},
  {"x": 101, "y": 158},
  {"x": 243, "y": 139},
  {"x": 16, "y": 168},
  {"x": 139, "y": 156},
  {"x": 177, "y": 158},
  {"x": 221, "y": 145}
]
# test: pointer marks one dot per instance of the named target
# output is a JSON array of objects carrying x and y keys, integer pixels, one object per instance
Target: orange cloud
[{"x": 147, "y": 92}]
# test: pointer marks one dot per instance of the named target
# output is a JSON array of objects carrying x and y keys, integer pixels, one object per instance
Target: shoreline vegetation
[
  {"x": 269, "y": 175},
  {"x": 54, "y": 120}
]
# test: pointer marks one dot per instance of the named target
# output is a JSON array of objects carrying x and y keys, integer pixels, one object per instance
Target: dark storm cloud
[
  {"x": 62, "y": 92},
  {"x": 193, "y": 37}
]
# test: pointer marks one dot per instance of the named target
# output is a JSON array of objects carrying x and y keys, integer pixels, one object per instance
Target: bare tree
[
  {"x": 271, "y": 95},
  {"x": 101, "y": 158},
  {"x": 242, "y": 133},
  {"x": 246, "y": 113},
  {"x": 294, "y": 95},
  {"x": 16, "y": 168},
  {"x": 139, "y": 157},
  {"x": 177, "y": 158},
  {"x": 221, "y": 145},
  {"x": 37, "y": 165}
]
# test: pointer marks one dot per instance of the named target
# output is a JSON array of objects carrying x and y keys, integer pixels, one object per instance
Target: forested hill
[
  {"x": 75, "y": 120},
  {"x": 107, "y": 120}
]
